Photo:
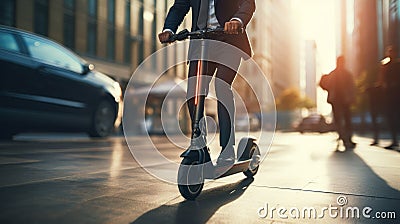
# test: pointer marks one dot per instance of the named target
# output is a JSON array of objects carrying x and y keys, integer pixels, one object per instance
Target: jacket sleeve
[
  {"x": 324, "y": 82},
  {"x": 176, "y": 14},
  {"x": 246, "y": 11}
]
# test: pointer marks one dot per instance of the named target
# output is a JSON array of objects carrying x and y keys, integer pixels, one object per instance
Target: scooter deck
[{"x": 223, "y": 171}]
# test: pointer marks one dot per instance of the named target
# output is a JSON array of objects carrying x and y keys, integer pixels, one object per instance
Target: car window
[
  {"x": 52, "y": 54},
  {"x": 8, "y": 42}
]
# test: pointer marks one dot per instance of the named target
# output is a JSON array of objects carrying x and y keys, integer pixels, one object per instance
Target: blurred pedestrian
[
  {"x": 341, "y": 94},
  {"x": 376, "y": 109},
  {"x": 390, "y": 81},
  {"x": 373, "y": 92}
]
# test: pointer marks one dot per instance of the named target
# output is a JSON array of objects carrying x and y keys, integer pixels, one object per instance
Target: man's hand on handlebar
[
  {"x": 164, "y": 36},
  {"x": 233, "y": 27}
]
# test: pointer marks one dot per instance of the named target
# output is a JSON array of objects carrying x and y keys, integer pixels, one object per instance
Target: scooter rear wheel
[{"x": 190, "y": 178}]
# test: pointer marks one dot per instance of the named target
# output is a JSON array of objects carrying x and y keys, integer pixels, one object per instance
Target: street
[{"x": 303, "y": 179}]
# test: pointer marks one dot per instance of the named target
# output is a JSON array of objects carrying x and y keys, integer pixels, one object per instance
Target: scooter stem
[{"x": 199, "y": 94}]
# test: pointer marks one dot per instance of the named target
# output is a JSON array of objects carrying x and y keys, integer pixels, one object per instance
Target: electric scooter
[{"x": 196, "y": 165}]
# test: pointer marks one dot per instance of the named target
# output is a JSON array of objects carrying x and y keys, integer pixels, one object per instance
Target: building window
[
  {"x": 7, "y": 12},
  {"x": 41, "y": 17},
  {"x": 92, "y": 8},
  {"x": 140, "y": 32},
  {"x": 111, "y": 29},
  {"x": 92, "y": 38},
  {"x": 111, "y": 44},
  {"x": 92, "y": 27},
  {"x": 154, "y": 28},
  {"x": 128, "y": 45},
  {"x": 69, "y": 23},
  {"x": 69, "y": 4},
  {"x": 111, "y": 11}
]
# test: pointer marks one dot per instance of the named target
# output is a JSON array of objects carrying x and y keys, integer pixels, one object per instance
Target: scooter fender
[
  {"x": 245, "y": 148},
  {"x": 197, "y": 154}
]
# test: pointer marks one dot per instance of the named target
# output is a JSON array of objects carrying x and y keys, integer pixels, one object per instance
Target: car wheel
[{"x": 103, "y": 120}]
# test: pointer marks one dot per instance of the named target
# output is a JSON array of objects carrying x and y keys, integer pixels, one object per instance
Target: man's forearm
[
  {"x": 176, "y": 14},
  {"x": 246, "y": 11}
]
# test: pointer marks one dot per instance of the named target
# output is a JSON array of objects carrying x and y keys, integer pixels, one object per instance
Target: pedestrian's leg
[
  {"x": 374, "y": 108},
  {"x": 393, "y": 122},
  {"x": 337, "y": 119},
  {"x": 348, "y": 127},
  {"x": 392, "y": 125},
  {"x": 396, "y": 115},
  {"x": 391, "y": 119}
]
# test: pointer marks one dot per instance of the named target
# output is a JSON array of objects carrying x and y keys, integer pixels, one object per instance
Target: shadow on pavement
[
  {"x": 352, "y": 176},
  {"x": 199, "y": 211},
  {"x": 358, "y": 174}
]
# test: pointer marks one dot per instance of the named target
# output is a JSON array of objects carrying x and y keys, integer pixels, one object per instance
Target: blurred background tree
[
  {"x": 291, "y": 99},
  {"x": 288, "y": 106}
]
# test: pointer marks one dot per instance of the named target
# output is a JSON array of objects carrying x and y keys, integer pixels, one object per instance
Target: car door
[
  {"x": 17, "y": 83},
  {"x": 65, "y": 95}
]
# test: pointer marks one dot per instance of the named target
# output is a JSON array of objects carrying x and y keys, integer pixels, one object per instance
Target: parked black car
[{"x": 46, "y": 87}]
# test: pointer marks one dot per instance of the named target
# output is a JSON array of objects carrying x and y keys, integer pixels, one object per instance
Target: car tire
[{"x": 103, "y": 120}]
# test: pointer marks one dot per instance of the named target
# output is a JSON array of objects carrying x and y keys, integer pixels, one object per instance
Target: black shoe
[
  {"x": 392, "y": 146},
  {"x": 350, "y": 145}
]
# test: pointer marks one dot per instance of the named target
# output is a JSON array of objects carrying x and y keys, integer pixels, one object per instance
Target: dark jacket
[
  {"x": 340, "y": 86},
  {"x": 224, "y": 10},
  {"x": 391, "y": 75}
]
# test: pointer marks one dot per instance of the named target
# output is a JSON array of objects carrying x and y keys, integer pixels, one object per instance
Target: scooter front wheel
[
  {"x": 255, "y": 161},
  {"x": 190, "y": 178}
]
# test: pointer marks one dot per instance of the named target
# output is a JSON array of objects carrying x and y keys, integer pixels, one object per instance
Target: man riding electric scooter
[
  {"x": 218, "y": 43},
  {"x": 233, "y": 16}
]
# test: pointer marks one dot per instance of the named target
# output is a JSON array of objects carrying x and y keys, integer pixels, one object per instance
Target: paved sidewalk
[{"x": 85, "y": 181}]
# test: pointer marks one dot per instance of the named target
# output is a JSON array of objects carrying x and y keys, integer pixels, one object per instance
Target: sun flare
[{"x": 317, "y": 21}]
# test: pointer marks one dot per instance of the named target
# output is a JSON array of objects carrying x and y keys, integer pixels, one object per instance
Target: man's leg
[
  {"x": 191, "y": 88},
  {"x": 226, "y": 109}
]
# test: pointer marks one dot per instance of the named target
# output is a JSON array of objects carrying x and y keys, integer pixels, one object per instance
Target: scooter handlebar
[{"x": 198, "y": 34}]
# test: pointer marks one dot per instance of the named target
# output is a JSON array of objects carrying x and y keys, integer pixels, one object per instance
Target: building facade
[
  {"x": 311, "y": 75},
  {"x": 275, "y": 42},
  {"x": 367, "y": 28}
]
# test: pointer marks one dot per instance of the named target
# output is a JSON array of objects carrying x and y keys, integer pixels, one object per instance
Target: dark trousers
[
  {"x": 376, "y": 108},
  {"x": 342, "y": 119},
  {"x": 224, "y": 77}
]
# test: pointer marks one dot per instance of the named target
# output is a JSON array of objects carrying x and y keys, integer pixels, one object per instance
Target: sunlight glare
[{"x": 317, "y": 22}]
